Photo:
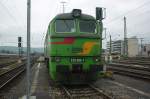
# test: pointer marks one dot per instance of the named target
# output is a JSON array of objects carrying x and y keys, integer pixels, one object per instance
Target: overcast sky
[{"x": 13, "y": 18}]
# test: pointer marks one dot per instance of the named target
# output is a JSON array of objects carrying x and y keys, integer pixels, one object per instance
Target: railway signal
[
  {"x": 100, "y": 13},
  {"x": 20, "y": 46}
]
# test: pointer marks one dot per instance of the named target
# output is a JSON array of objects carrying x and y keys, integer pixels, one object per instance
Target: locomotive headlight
[
  {"x": 57, "y": 59},
  {"x": 76, "y": 13},
  {"x": 96, "y": 59}
]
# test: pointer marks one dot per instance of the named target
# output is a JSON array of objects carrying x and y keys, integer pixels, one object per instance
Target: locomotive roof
[{"x": 69, "y": 16}]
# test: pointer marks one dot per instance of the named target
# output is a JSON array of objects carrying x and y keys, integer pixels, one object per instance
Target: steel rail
[
  {"x": 7, "y": 63},
  {"x": 101, "y": 92},
  {"x": 3, "y": 73},
  {"x": 89, "y": 91},
  {"x": 17, "y": 74},
  {"x": 145, "y": 63},
  {"x": 131, "y": 66},
  {"x": 129, "y": 71},
  {"x": 10, "y": 75}
]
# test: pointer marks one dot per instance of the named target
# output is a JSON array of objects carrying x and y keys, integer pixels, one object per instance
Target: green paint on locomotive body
[{"x": 76, "y": 45}]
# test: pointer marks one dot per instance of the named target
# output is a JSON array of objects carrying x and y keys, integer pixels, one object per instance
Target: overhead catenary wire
[
  {"x": 137, "y": 16},
  {"x": 126, "y": 13},
  {"x": 11, "y": 15},
  {"x": 8, "y": 10},
  {"x": 20, "y": 14},
  {"x": 45, "y": 31}
]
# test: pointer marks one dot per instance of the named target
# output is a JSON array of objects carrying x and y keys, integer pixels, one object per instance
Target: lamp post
[{"x": 63, "y": 5}]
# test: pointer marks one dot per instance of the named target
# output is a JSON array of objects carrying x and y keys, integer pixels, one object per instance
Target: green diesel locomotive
[{"x": 73, "y": 46}]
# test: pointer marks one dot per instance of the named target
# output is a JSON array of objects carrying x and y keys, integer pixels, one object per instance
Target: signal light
[
  {"x": 96, "y": 59},
  {"x": 57, "y": 59},
  {"x": 100, "y": 13}
]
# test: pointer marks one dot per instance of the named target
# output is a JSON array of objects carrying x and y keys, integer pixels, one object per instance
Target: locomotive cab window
[
  {"x": 63, "y": 26},
  {"x": 87, "y": 26}
]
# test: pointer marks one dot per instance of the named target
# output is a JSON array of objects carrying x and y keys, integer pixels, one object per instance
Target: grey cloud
[{"x": 13, "y": 17}]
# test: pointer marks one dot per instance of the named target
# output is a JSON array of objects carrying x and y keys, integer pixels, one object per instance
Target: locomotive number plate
[{"x": 77, "y": 60}]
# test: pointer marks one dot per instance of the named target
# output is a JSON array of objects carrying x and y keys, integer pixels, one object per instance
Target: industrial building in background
[
  {"x": 133, "y": 47},
  {"x": 117, "y": 47}
]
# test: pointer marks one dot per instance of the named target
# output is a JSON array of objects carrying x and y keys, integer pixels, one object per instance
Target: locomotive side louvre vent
[{"x": 76, "y": 50}]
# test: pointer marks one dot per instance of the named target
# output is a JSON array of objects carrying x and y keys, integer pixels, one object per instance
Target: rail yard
[
  {"x": 132, "y": 67},
  {"x": 130, "y": 81},
  {"x": 74, "y": 49}
]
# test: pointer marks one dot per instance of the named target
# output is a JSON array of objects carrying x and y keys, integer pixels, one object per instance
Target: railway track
[
  {"x": 6, "y": 77},
  {"x": 4, "y": 64},
  {"x": 8, "y": 62},
  {"x": 130, "y": 70},
  {"x": 84, "y": 92},
  {"x": 144, "y": 63}
]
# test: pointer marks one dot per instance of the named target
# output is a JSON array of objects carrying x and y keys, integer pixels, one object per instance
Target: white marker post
[{"x": 28, "y": 48}]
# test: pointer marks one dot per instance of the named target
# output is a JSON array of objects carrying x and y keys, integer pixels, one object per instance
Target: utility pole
[
  {"x": 141, "y": 45},
  {"x": 105, "y": 31},
  {"x": 110, "y": 46},
  {"x": 63, "y": 5},
  {"x": 125, "y": 38},
  {"x": 28, "y": 48}
]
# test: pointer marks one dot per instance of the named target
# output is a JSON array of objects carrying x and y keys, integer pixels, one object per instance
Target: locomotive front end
[{"x": 75, "y": 43}]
